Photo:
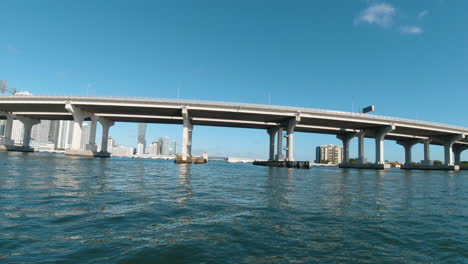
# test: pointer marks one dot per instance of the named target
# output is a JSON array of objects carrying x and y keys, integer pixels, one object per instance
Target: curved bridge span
[{"x": 273, "y": 119}]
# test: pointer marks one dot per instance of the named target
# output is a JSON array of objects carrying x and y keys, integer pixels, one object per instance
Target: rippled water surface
[{"x": 76, "y": 210}]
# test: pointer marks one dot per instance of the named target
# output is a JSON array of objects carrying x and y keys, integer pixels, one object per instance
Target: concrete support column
[
  {"x": 448, "y": 144},
  {"x": 279, "y": 152},
  {"x": 28, "y": 123},
  {"x": 106, "y": 124},
  {"x": 361, "y": 157},
  {"x": 92, "y": 134},
  {"x": 272, "y": 133},
  {"x": 408, "y": 145},
  {"x": 379, "y": 143},
  {"x": 427, "y": 153},
  {"x": 457, "y": 150},
  {"x": 8, "y": 128},
  {"x": 346, "y": 139},
  {"x": 78, "y": 118},
  {"x": 290, "y": 137},
  {"x": 186, "y": 134}
]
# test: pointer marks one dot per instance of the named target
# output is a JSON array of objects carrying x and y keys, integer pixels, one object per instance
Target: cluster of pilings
[
  {"x": 189, "y": 160},
  {"x": 284, "y": 164}
]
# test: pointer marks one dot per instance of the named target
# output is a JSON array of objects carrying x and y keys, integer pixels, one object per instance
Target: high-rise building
[
  {"x": 173, "y": 148},
  {"x": 17, "y": 132},
  {"x": 54, "y": 132},
  {"x": 40, "y": 132},
  {"x": 110, "y": 142},
  {"x": 329, "y": 154},
  {"x": 141, "y": 146},
  {"x": 85, "y": 133},
  {"x": 65, "y": 134},
  {"x": 164, "y": 146},
  {"x": 154, "y": 148},
  {"x": 117, "y": 150},
  {"x": 2, "y": 128}
]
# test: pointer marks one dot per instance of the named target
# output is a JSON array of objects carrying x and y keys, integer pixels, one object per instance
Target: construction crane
[{"x": 4, "y": 88}]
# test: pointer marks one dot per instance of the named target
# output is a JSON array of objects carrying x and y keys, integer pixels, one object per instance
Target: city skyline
[
  {"x": 57, "y": 135},
  {"x": 400, "y": 56}
]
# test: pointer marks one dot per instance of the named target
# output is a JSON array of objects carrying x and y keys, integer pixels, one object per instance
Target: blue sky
[{"x": 408, "y": 58}]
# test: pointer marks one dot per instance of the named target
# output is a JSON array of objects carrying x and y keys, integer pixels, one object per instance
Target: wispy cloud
[
  {"x": 411, "y": 30},
  {"x": 422, "y": 14},
  {"x": 381, "y": 14},
  {"x": 385, "y": 15},
  {"x": 12, "y": 49}
]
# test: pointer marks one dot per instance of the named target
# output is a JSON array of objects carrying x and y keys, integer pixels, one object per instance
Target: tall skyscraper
[
  {"x": 54, "y": 132},
  {"x": 65, "y": 134},
  {"x": 154, "y": 148},
  {"x": 141, "y": 146},
  {"x": 110, "y": 142},
  {"x": 85, "y": 133},
  {"x": 173, "y": 148},
  {"x": 40, "y": 132},
  {"x": 164, "y": 145},
  {"x": 329, "y": 153},
  {"x": 17, "y": 132},
  {"x": 2, "y": 128}
]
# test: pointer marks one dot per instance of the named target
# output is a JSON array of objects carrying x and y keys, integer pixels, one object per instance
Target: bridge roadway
[{"x": 274, "y": 119}]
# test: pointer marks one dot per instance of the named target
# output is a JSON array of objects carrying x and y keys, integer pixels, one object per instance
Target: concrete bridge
[{"x": 273, "y": 119}]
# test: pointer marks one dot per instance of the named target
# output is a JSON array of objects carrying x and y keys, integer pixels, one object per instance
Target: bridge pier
[
  {"x": 106, "y": 124},
  {"x": 379, "y": 136},
  {"x": 91, "y": 144},
  {"x": 408, "y": 145},
  {"x": 379, "y": 143},
  {"x": 272, "y": 133},
  {"x": 6, "y": 143},
  {"x": 90, "y": 149},
  {"x": 28, "y": 123},
  {"x": 346, "y": 139},
  {"x": 427, "y": 153},
  {"x": 448, "y": 144},
  {"x": 78, "y": 117},
  {"x": 290, "y": 137},
  {"x": 279, "y": 151},
  {"x": 457, "y": 150},
  {"x": 186, "y": 135},
  {"x": 361, "y": 156}
]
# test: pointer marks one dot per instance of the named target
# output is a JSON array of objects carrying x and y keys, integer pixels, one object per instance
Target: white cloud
[
  {"x": 12, "y": 49},
  {"x": 411, "y": 30},
  {"x": 379, "y": 14},
  {"x": 422, "y": 14}
]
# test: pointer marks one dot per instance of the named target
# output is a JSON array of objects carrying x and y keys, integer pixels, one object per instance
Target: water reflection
[
  {"x": 184, "y": 183},
  {"x": 102, "y": 174},
  {"x": 140, "y": 171},
  {"x": 379, "y": 199},
  {"x": 201, "y": 214},
  {"x": 279, "y": 186},
  {"x": 342, "y": 198}
]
